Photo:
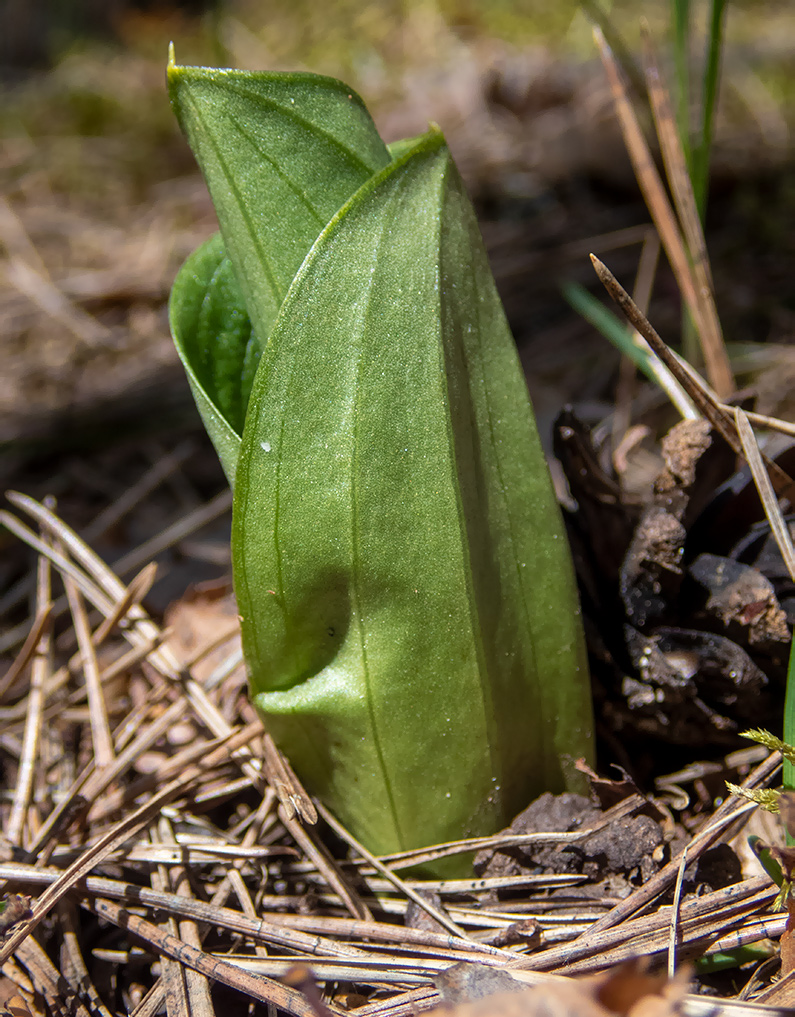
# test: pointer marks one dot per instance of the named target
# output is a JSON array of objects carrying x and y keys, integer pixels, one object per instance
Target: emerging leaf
[
  {"x": 404, "y": 617},
  {"x": 408, "y": 604},
  {"x": 281, "y": 154}
]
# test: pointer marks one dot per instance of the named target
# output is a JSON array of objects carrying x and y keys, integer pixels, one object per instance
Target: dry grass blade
[
  {"x": 440, "y": 916},
  {"x": 706, "y": 402},
  {"x": 257, "y": 986},
  {"x": 260, "y": 929},
  {"x": 660, "y": 209},
  {"x": 281, "y": 777},
  {"x": 173, "y": 975},
  {"x": 100, "y": 726},
  {"x": 701, "y": 919},
  {"x": 106, "y": 587},
  {"x": 134, "y": 594},
  {"x": 41, "y": 624},
  {"x": 94, "y": 855},
  {"x": 40, "y": 673},
  {"x": 674, "y": 158},
  {"x": 107, "y": 579},
  {"x": 715, "y": 357},
  {"x": 63, "y": 564},
  {"x": 760, "y": 420},
  {"x": 673, "y": 937},
  {"x": 61, "y": 997},
  {"x": 167, "y": 665},
  {"x": 72, "y": 959},
  {"x": 327, "y": 867},
  {"x": 55, "y": 304},
  {"x": 780, "y": 995},
  {"x": 770, "y": 503},
  {"x": 421, "y": 856}
]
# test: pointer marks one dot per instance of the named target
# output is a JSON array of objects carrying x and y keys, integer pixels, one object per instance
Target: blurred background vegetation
[{"x": 100, "y": 200}]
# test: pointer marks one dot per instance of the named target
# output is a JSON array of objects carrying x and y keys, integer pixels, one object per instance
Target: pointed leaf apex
[{"x": 172, "y": 62}]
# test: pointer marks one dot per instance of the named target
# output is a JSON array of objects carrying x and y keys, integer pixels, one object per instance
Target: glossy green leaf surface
[
  {"x": 399, "y": 560},
  {"x": 217, "y": 345},
  {"x": 281, "y": 154},
  {"x": 408, "y": 605}
]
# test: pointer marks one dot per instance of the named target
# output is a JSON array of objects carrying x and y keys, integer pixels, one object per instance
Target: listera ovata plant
[{"x": 408, "y": 605}]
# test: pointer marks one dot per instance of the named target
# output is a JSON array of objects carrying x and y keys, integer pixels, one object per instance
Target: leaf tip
[{"x": 172, "y": 61}]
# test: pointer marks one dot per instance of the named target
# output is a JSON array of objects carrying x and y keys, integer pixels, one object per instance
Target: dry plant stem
[
  {"x": 644, "y": 282},
  {"x": 92, "y": 563},
  {"x": 173, "y": 973},
  {"x": 153, "y": 1002},
  {"x": 300, "y": 977},
  {"x": 56, "y": 305},
  {"x": 90, "y": 784},
  {"x": 139, "y": 586},
  {"x": 110, "y": 588},
  {"x": 257, "y": 986},
  {"x": 41, "y": 623},
  {"x": 72, "y": 959},
  {"x": 100, "y": 780},
  {"x": 440, "y": 916},
  {"x": 676, "y": 168},
  {"x": 718, "y": 369},
  {"x": 721, "y": 420},
  {"x": 40, "y": 671},
  {"x": 47, "y": 980},
  {"x": 240, "y": 889},
  {"x": 62, "y": 676},
  {"x": 326, "y": 866},
  {"x": 190, "y": 756},
  {"x": 752, "y": 930},
  {"x": 674, "y": 933},
  {"x": 295, "y": 801},
  {"x": 100, "y": 726},
  {"x": 16, "y": 239},
  {"x": 43, "y": 841},
  {"x": 714, "y": 914},
  {"x": 781, "y": 994},
  {"x": 650, "y": 935},
  {"x": 94, "y": 855},
  {"x": 773, "y": 423},
  {"x": 770, "y": 503},
  {"x": 163, "y": 660},
  {"x": 64, "y": 565},
  {"x": 260, "y": 930}
]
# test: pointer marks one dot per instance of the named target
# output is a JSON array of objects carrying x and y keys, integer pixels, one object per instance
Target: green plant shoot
[{"x": 408, "y": 605}]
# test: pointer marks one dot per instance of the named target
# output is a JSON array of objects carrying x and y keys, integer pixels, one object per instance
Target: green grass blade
[
  {"x": 623, "y": 338},
  {"x": 701, "y": 155},
  {"x": 680, "y": 16}
]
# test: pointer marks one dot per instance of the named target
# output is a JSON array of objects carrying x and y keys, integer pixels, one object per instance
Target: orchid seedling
[{"x": 407, "y": 600}]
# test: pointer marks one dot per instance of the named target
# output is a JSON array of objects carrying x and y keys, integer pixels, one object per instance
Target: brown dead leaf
[
  {"x": 625, "y": 991},
  {"x": 16, "y": 908},
  {"x": 204, "y": 616},
  {"x": 15, "y": 1007}
]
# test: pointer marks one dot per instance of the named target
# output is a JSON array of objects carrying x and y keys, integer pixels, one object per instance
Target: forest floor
[{"x": 154, "y": 820}]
